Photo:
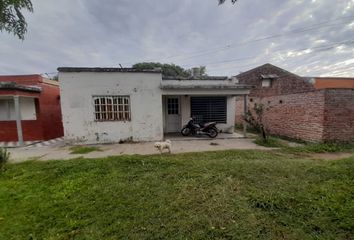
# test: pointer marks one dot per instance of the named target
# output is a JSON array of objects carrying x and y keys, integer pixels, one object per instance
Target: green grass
[
  {"x": 83, "y": 149},
  {"x": 213, "y": 195},
  {"x": 324, "y": 148},
  {"x": 270, "y": 142}
]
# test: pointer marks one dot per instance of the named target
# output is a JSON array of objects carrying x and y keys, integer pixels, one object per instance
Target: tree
[
  {"x": 256, "y": 121},
  {"x": 11, "y": 18},
  {"x": 171, "y": 70},
  {"x": 222, "y": 1}
]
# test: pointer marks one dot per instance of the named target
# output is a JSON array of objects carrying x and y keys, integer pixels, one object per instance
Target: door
[{"x": 173, "y": 114}]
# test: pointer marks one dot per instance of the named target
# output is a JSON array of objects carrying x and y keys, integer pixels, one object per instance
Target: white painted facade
[
  {"x": 148, "y": 94},
  {"x": 77, "y": 91}
]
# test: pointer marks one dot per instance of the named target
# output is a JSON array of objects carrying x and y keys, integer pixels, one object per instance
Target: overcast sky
[{"x": 307, "y": 37}]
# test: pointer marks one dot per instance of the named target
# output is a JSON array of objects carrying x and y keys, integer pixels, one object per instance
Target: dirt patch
[{"x": 331, "y": 156}]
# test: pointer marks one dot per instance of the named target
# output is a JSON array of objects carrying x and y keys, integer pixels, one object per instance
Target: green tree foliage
[
  {"x": 11, "y": 17},
  {"x": 170, "y": 70},
  {"x": 222, "y": 1}
]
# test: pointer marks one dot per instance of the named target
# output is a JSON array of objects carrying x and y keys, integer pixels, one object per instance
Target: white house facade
[{"x": 101, "y": 105}]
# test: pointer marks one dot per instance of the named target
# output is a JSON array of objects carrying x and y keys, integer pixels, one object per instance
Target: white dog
[{"x": 163, "y": 145}]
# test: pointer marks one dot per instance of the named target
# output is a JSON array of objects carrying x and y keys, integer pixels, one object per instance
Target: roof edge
[
  {"x": 15, "y": 86},
  {"x": 106, "y": 69}
]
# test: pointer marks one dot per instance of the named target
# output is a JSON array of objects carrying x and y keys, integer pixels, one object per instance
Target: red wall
[
  {"x": 48, "y": 124},
  {"x": 339, "y": 115},
  {"x": 295, "y": 109}
]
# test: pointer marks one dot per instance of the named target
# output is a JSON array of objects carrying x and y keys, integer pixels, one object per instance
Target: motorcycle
[{"x": 192, "y": 128}]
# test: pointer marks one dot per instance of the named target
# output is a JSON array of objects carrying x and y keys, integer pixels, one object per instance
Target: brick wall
[
  {"x": 286, "y": 83},
  {"x": 339, "y": 115},
  {"x": 297, "y": 116},
  {"x": 296, "y": 109}
]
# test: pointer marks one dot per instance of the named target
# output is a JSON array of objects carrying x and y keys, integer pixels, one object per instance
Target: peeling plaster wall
[{"x": 77, "y": 90}]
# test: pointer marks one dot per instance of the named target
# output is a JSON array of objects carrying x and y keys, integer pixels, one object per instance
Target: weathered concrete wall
[{"x": 77, "y": 90}]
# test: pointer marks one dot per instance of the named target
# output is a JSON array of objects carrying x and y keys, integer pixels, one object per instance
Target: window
[
  {"x": 172, "y": 106},
  {"x": 7, "y": 109},
  {"x": 112, "y": 108},
  {"x": 209, "y": 109},
  {"x": 266, "y": 82},
  {"x": 27, "y": 108}
]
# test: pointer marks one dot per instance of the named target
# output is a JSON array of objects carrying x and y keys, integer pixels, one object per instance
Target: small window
[
  {"x": 172, "y": 106},
  {"x": 112, "y": 108},
  {"x": 266, "y": 82}
]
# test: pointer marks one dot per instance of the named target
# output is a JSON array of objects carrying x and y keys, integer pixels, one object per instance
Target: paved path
[{"x": 60, "y": 151}]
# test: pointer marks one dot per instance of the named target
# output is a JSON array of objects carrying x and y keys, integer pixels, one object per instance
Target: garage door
[{"x": 209, "y": 109}]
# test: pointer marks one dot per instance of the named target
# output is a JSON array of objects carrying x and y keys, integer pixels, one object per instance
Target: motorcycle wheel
[
  {"x": 185, "y": 131},
  {"x": 212, "y": 132}
]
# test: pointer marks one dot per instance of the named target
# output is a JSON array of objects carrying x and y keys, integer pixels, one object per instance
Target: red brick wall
[
  {"x": 286, "y": 83},
  {"x": 297, "y": 116},
  {"x": 339, "y": 115}
]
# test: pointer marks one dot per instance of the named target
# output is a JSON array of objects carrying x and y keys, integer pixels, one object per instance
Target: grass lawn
[
  {"x": 217, "y": 195},
  {"x": 83, "y": 149}
]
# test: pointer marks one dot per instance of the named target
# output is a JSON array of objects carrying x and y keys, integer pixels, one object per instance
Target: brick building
[
  {"x": 310, "y": 109},
  {"x": 29, "y": 109}
]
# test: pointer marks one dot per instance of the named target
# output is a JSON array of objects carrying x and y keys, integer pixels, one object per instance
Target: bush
[{"x": 4, "y": 157}]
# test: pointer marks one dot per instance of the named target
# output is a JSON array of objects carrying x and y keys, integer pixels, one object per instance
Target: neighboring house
[
  {"x": 123, "y": 104},
  {"x": 310, "y": 109},
  {"x": 29, "y": 109}
]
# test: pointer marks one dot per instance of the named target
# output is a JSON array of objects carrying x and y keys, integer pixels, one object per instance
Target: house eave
[
  {"x": 17, "y": 87},
  {"x": 107, "y": 70}
]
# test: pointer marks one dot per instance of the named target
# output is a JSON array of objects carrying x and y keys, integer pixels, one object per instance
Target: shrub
[{"x": 4, "y": 157}]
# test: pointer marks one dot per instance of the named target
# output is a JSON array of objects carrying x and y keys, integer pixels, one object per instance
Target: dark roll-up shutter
[{"x": 209, "y": 109}]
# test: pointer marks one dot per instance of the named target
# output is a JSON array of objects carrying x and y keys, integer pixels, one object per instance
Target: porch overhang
[
  {"x": 10, "y": 89},
  {"x": 220, "y": 90}
]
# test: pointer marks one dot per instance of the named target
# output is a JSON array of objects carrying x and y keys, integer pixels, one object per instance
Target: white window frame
[
  {"x": 112, "y": 108},
  {"x": 9, "y": 110},
  {"x": 267, "y": 82}
]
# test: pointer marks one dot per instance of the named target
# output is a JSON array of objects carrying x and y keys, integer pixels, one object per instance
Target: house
[
  {"x": 29, "y": 109},
  {"x": 306, "y": 108},
  {"x": 124, "y": 104}
]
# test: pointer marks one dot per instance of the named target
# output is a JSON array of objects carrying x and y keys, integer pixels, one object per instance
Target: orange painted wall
[{"x": 323, "y": 83}]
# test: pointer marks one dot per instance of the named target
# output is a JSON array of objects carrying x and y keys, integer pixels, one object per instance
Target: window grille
[{"x": 112, "y": 108}]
